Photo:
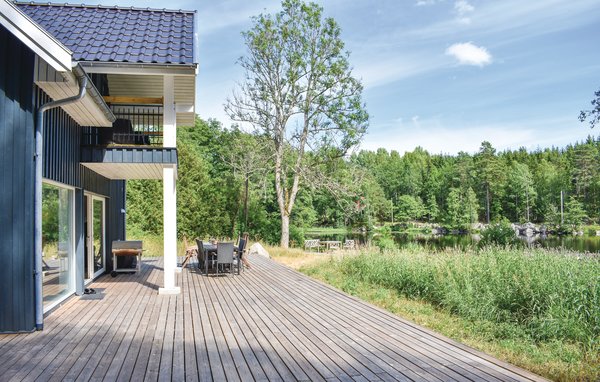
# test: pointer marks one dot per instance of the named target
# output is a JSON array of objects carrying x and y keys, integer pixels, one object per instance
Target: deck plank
[
  {"x": 349, "y": 319},
  {"x": 270, "y": 323}
]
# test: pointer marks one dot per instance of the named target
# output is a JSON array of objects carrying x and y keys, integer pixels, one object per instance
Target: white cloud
[
  {"x": 468, "y": 53},
  {"x": 421, "y": 3},
  {"x": 463, "y": 9}
]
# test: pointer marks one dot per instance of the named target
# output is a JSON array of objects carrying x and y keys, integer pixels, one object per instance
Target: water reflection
[{"x": 576, "y": 243}]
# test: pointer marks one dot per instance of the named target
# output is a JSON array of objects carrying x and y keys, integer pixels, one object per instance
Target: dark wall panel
[
  {"x": 16, "y": 186},
  {"x": 62, "y": 136}
]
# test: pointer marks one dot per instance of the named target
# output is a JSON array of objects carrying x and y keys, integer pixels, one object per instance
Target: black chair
[
  {"x": 224, "y": 256},
  {"x": 122, "y": 133},
  {"x": 203, "y": 257},
  {"x": 240, "y": 254}
]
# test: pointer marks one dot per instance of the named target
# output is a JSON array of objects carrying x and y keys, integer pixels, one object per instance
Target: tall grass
[{"x": 541, "y": 294}]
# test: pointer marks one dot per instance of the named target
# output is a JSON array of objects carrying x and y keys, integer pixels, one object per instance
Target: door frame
[
  {"x": 72, "y": 248},
  {"x": 89, "y": 256}
]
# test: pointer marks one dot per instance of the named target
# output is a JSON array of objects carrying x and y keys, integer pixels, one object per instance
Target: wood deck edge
[{"x": 498, "y": 362}]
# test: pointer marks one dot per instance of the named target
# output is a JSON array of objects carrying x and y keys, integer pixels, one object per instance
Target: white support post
[{"x": 169, "y": 191}]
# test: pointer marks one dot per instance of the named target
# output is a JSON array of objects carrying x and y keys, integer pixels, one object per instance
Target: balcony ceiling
[
  {"x": 127, "y": 171},
  {"x": 122, "y": 85}
]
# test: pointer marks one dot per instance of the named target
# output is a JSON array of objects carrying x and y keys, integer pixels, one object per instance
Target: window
[{"x": 57, "y": 244}]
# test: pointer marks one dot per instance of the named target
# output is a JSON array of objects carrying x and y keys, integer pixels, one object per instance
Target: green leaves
[
  {"x": 299, "y": 91},
  {"x": 594, "y": 113}
]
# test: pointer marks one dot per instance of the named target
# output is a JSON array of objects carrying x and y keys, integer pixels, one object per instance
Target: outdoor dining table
[
  {"x": 210, "y": 249},
  {"x": 331, "y": 244}
]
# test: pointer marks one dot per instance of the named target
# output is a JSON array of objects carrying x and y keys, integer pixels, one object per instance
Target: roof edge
[
  {"x": 95, "y": 94},
  {"x": 35, "y": 37},
  {"x": 148, "y": 9},
  {"x": 113, "y": 67}
]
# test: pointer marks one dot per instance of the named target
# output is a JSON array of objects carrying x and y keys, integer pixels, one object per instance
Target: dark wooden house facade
[{"x": 91, "y": 144}]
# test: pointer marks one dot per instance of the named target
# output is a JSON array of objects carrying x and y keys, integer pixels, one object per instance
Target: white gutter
[{"x": 135, "y": 68}]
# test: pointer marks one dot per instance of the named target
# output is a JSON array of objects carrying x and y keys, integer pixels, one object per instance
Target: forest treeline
[{"x": 226, "y": 186}]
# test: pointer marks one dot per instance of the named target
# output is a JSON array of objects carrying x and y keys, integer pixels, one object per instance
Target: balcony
[
  {"x": 133, "y": 147},
  {"x": 136, "y": 125}
]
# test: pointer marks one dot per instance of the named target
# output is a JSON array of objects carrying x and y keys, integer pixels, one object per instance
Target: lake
[{"x": 576, "y": 243}]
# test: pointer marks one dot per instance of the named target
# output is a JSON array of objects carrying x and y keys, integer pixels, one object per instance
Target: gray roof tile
[{"x": 100, "y": 33}]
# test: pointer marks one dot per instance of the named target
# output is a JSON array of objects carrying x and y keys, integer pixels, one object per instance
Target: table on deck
[
  {"x": 331, "y": 244},
  {"x": 210, "y": 249}
]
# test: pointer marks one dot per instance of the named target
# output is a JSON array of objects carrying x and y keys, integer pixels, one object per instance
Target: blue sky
[{"x": 441, "y": 74}]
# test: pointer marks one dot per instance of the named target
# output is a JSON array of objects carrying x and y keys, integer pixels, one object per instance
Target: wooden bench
[
  {"x": 312, "y": 244},
  {"x": 126, "y": 248}
]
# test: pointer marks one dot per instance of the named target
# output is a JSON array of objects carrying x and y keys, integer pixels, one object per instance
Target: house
[{"x": 90, "y": 96}]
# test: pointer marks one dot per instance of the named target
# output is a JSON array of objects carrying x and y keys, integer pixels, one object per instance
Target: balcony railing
[{"x": 136, "y": 125}]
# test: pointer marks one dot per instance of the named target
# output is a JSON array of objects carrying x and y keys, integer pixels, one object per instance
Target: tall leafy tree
[
  {"x": 490, "y": 174},
  {"x": 521, "y": 190},
  {"x": 575, "y": 215},
  {"x": 300, "y": 92},
  {"x": 592, "y": 115},
  {"x": 585, "y": 167},
  {"x": 462, "y": 208},
  {"x": 247, "y": 156},
  {"x": 409, "y": 208}
]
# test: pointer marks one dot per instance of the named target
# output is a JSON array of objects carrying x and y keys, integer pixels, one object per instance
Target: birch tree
[{"x": 298, "y": 90}]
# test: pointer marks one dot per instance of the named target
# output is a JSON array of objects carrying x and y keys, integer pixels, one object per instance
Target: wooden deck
[{"x": 270, "y": 323}]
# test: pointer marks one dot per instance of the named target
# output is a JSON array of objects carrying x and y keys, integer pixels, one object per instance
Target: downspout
[{"x": 37, "y": 243}]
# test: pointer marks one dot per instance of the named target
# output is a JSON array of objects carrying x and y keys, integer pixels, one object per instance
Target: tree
[
  {"x": 490, "y": 173},
  {"x": 594, "y": 113},
  {"x": 409, "y": 208},
  {"x": 521, "y": 190},
  {"x": 574, "y": 213},
  {"x": 299, "y": 91},
  {"x": 462, "y": 208},
  {"x": 247, "y": 157},
  {"x": 585, "y": 167}
]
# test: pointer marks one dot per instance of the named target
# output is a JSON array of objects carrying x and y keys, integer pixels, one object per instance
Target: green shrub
[
  {"x": 384, "y": 240},
  {"x": 501, "y": 234},
  {"x": 544, "y": 294}
]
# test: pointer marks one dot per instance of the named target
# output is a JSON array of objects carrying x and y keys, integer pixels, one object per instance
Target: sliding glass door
[
  {"x": 58, "y": 252},
  {"x": 95, "y": 263}
]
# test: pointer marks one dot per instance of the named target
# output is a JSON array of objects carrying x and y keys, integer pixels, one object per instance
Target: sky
[{"x": 441, "y": 74}]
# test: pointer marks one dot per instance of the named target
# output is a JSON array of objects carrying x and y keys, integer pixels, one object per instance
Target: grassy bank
[
  {"x": 539, "y": 310},
  {"x": 326, "y": 231}
]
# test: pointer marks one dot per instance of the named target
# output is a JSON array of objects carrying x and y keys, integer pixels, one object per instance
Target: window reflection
[{"x": 57, "y": 243}]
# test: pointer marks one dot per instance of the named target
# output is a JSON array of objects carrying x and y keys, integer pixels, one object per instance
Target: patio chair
[
  {"x": 240, "y": 252},
  {"x": 190, "y": 251},
  {"x": 349, "y": 244},
  {"x": 203, "y": 257},
  {"x": 224, "y": 256}
]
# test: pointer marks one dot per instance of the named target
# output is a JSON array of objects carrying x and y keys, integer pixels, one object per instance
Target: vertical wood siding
[
  {"x": 19, "y": 99},
  {"x": 16, "y": 185}
]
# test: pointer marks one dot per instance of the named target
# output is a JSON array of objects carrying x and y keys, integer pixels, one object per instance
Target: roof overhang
[
  {"x": 35, "y": 37},
  {"x": 124, "y": 163},
  {"x": 152, "y": 86},
  {"x": 133, "y": 68},
  {"x": 90, "y": 111}
]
